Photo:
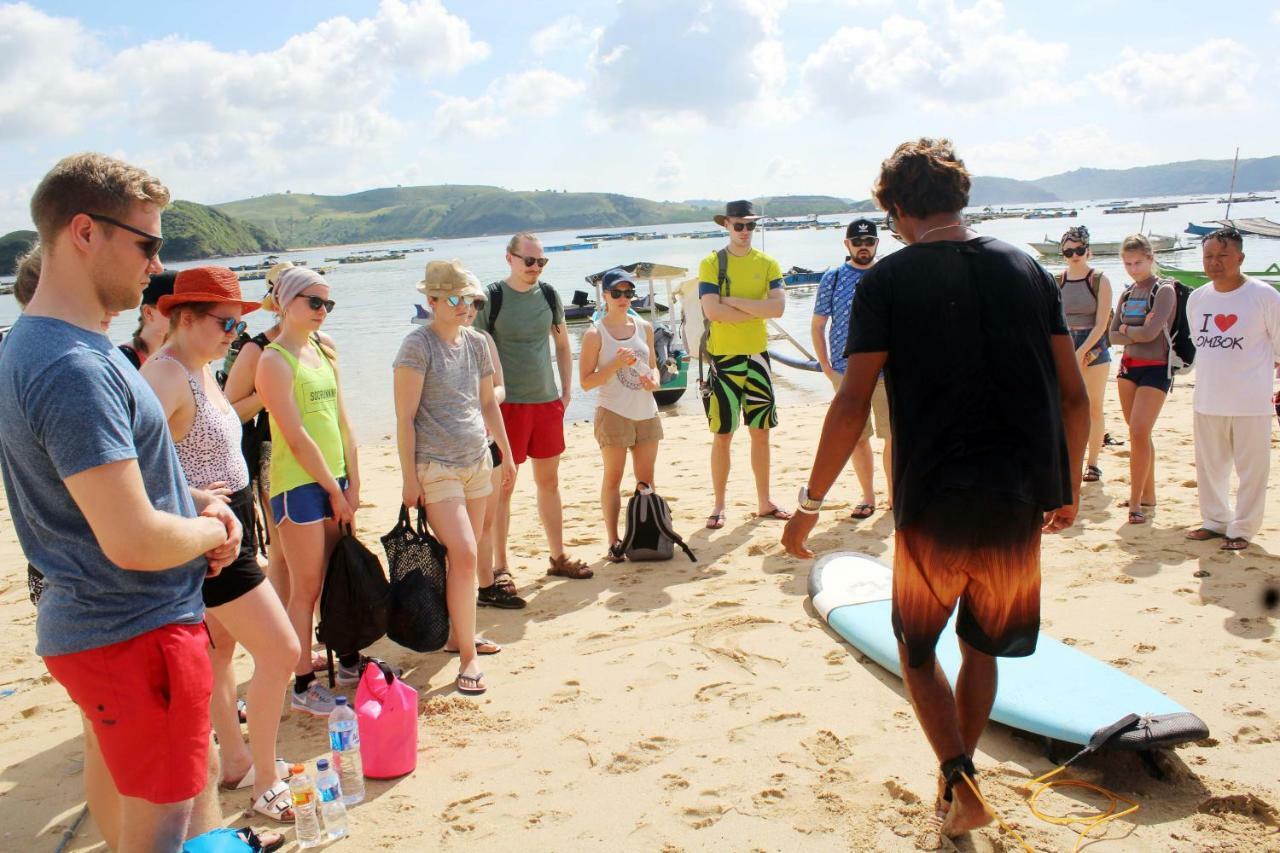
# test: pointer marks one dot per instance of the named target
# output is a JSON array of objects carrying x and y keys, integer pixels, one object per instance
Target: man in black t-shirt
[{"x": 989, "y": 420}]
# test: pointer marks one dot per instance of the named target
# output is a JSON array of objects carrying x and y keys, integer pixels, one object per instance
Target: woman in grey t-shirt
[{"x": 444, "y": 400}]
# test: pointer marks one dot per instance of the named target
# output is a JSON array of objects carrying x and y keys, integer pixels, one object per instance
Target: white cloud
[
  {"x": 563, "y": 34},
  {"x": 1047, "y": 152},
  {"x": 670, "y": 172},
  {"x": 950, "y": 56},
  {"x": 1218, "y": 72},
  {"x": 44, "y": 86},
  {"x": 537, "y": 92},
  {"x": 666, "y": 61}
]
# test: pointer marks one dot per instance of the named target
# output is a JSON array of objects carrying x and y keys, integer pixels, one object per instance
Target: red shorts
[
  {"x": 535, "y": 430},
  {"x": 148, "y": 701}
]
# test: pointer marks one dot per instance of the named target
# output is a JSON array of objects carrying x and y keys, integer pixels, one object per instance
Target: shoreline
[{"x": 705, "y": 705}]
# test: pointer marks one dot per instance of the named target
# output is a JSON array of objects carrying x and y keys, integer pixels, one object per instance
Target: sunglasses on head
[
  {"x": 455, "y": 301},
  {"x": 528, "y": 262},
  {"x": 316, "y": 303},
  {"x": 861, "y": 242},
  {"x": 748, "y": 226},
  {"x": 150, "y": 248},
  {"x": 1071, "y": 253},
  {"x": 622, "y": 293},
  {"x": 230, "y": 324}
]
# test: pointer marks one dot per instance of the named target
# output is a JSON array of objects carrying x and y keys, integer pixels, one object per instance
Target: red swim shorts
[
  {"x": 535, "y": 430},
  {"x": 148, "y": 701}
]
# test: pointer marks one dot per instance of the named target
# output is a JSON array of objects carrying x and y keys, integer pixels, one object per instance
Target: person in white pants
[{"x": 1235, "y": 322}]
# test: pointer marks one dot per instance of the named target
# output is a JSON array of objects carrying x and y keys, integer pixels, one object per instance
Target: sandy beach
[{"x": 680, "y": 706}]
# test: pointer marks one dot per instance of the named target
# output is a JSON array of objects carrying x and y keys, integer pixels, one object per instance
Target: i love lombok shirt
[{"x": 1237, "y": 337}]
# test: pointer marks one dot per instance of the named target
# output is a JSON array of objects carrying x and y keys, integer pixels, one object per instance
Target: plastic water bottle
[
  {"x": 305, "y": 820},
  {"x": 331, "y": 806},
  {"x": 344, "y": 740}
]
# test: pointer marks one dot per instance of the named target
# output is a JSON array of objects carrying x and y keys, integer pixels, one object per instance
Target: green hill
[
  {"x": 985, "y": 191},
  {"x": 1189, "y": 177},
  {"x": 13, "y": 246},
  {"x": 196, "y": 231}
]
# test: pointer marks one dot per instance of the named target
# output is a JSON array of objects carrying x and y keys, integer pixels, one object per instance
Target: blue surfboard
[{"x": 1059, "y": 692}]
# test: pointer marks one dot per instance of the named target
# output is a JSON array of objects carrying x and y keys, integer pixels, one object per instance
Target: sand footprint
[{"x": 641, "y": 754}]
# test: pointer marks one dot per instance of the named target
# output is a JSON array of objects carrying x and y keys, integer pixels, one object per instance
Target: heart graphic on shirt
[{"x": 1224, "y": 321}]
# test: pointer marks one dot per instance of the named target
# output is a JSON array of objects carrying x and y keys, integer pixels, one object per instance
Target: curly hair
[{"x": 922, "y": 178}]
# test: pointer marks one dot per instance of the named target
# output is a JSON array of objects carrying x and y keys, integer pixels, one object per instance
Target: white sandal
[{"x": 275, "y": 803}]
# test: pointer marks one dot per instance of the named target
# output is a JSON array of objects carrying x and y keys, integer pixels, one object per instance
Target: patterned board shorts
[{"x": 740, "y": 387}]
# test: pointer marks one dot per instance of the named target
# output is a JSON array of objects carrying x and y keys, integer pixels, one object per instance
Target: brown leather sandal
[{"x": 565, "y": 567}]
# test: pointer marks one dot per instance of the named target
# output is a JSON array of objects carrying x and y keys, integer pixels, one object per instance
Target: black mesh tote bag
[{"x": 418, "y": 617}]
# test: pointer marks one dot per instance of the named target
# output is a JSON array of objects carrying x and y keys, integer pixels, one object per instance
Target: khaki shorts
[
  {"x": 879, "y": 410},
  {"x": 613, "y": 430},
  {"x": 441, "y": 483}
]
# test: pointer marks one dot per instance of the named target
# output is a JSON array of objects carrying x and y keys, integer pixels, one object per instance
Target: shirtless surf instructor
[{"x": 987, "y": 454}]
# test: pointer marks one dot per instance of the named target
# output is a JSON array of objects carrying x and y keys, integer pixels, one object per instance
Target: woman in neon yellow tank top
[{"x": 315, "y": 479}]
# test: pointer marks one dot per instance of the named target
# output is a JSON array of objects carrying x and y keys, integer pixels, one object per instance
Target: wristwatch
[{"x": 806, "y": 504}]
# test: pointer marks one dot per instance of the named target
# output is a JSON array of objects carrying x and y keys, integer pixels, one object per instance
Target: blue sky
[{"x": 667, "y": 99}]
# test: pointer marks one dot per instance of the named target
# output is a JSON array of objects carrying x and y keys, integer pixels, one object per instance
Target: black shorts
[
  {"x": 979, "y": 549},
  {"x": 244, "y": 574},
  {"x": 1150, "y": 376}
]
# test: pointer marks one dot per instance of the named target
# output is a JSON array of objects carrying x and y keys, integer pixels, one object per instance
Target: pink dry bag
[{"x": 387, "y": 711}]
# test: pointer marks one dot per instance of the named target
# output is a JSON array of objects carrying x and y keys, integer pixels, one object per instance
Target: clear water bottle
[
  {"x": 305, "y": 820},
  {"x": 344, "y": 740},
  {"x": 331, "y": 806}
]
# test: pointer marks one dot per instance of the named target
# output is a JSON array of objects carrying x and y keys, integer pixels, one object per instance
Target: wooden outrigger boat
[
  {"x": 1196, "y": 278},
  {"x": 1159, "y": 243}
]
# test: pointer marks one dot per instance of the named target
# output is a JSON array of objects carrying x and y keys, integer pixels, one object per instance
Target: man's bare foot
[{"x": 966, "y": 812}]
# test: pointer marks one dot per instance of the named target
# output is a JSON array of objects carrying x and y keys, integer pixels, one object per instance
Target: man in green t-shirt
[
  {"x": 520, "y": 313},
  {"x": 740, "y": 384}
]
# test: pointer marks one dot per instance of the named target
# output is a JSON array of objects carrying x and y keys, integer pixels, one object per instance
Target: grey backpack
[{"x": 649, "y": 535}]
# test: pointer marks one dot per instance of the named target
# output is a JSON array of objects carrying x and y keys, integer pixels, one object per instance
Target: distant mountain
[
  {"x": 792, "y": 205},
  {"x": 13, "y": 246},
  {"x": 194, "y": 231},
  {"x": 985, "y": 191},
  {"x": 1189, "y": 177}
]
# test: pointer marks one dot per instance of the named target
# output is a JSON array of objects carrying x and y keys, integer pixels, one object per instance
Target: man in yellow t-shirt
[{"x": 740, "y": 385}]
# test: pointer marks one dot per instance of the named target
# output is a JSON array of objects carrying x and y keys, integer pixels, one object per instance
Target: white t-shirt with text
[{"x": 1237, "y": 338}]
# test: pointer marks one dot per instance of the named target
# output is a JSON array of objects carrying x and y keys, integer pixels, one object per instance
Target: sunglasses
[
  {"x": 316, "y": 303},
  {"x": 230, "y": 324},
  {"x": 528, "y": 262},
  {"x": 455, "y": 301},
  {"x": 1071, "y": 253},
  {"x": 748, "y": 226},
  {"x": 153, "y": 243},
  {"x": 861, "y": 242},
  {"x": 888, "y": 222},
  {"x": 622, "y": 293}
]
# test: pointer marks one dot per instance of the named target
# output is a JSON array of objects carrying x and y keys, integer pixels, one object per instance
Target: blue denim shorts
[
  {"x": 304, "y": 504},
  {"x": 1099, "y": 353}
]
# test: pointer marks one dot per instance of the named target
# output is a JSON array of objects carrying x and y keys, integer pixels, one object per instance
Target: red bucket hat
[{"x": 206, "y": 285}]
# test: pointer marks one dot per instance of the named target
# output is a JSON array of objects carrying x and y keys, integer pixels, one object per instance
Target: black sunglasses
[
  {"x": 317, "y": 303},
  {"x": 863, "y": 241},
  {"x": 528, "y": 262},
  {"x": 1071, "y": 253},
  {"x": 888, "y": 222},
  {"x": 622, "y": 293},
  {"x": 230, "y": 324},
  {"x": 151, "y": 247},
  {"x": 749, "y": 226}
]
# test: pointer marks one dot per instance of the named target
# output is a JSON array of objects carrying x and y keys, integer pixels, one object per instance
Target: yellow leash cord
[{"x": 1042, "y": 784}]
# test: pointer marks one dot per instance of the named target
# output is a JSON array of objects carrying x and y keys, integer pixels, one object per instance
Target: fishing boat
[
  {"x": 6, "y": 289},
  {"x": 1196, "y": 278},
  {"x": 1199, "y": 230},
  {"x": 1052, "y": 213},
  {"x": 1245, "y": 198},
  {"x": 1153, "y": 207},
  {"x": 1255, "y": 227},
  {"x": 1159, "y": 243},
  {"x": 799, "y": 278},
  {"x": 571, "y": 247},
  {"x": 671, "y": 349}
]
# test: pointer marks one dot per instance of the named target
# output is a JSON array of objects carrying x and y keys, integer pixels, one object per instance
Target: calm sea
[{"x": 375, "y": 301}]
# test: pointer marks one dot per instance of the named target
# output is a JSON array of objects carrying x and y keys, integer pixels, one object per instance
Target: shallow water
[{"x": 375, "y": 301}]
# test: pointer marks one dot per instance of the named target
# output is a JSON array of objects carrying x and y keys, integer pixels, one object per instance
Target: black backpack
[
  {"x": 495, "y": 305},
  {"x": 354, "y": 601},
  {"x": 649, "y": 535},
  {"x": 1181, "y": 343}
]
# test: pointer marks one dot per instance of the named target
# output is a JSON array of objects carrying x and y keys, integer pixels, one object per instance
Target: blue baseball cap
[{"x": 617, "y": 276}]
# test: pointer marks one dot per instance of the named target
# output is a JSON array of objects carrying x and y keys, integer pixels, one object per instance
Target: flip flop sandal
[
  {"x": 862, "y": 511},
  {"x": 564, "y": 567},
  {"x": 476, "y": 687},
  {"x": 262, "y": 842},
  {"x": 1203, "y": 534},
  {"x": 481, "y": 646},
  {"x": 1233, "y": 543},
  {"x": 1137, "y": 517},
  {"x": 715, "y": 521},
  {"x": 615, "y": 554},
  {"x": 1092, "y": 474},
  {"x": 275, "y": 803},
  {"x": 776, "y": 514}
]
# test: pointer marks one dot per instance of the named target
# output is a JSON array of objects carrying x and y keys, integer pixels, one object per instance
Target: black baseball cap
[{"x": 860, "y": 228}]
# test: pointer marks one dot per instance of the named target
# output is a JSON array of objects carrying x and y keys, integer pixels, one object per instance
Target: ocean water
[{"x": 375, "y": 301}]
